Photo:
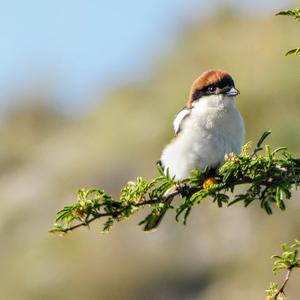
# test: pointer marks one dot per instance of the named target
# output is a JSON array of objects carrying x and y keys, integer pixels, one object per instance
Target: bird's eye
[{"x": 211, "y": 89}]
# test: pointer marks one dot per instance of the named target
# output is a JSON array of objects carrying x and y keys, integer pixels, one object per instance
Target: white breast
[{"x": 213, "y": 128}]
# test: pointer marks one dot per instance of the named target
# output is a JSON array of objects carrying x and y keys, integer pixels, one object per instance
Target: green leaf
[
  {"x": 295, "y": 13},
  {"x": 263, "y": 137},
  {"x": 295, "y": 51}
]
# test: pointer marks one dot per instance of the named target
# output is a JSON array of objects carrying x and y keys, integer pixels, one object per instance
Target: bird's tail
[{"x": 154, "y": 221}]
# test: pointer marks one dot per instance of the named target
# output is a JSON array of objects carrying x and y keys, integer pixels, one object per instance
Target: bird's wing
[{"x": 180, "y": 117}]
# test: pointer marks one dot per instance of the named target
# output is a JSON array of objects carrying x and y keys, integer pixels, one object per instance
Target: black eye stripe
[
  {"x": 198, "y": 94},
  {"x": 210, "y": 89}
]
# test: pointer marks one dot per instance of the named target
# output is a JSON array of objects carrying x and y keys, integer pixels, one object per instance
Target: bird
[{"x": 207, "y": 128}]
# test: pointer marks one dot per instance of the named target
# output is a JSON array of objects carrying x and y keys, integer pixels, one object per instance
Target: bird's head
[{"x": 214, "y": 86}]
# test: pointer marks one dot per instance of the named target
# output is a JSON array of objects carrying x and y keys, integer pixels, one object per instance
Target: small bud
[
  {"x": 208, "y": 182},
  {"x": 231, "y": 157},
  {"x": 79, "y": 213}
]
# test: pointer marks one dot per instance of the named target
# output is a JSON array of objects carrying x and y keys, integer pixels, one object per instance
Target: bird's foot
[{"x": 183, "y": 189}]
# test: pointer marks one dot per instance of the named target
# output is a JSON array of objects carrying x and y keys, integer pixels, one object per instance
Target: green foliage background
[{"x": 220, "y": 252}]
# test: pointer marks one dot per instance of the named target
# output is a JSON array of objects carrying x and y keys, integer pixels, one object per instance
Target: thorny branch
[
  {"x": 173, "y": 194},
  {"x": 96, "y": 216},
  {"x": 288, "y": 261},
  {"x": 268, "y": 178},
  {"x": 286, "y": 279}
]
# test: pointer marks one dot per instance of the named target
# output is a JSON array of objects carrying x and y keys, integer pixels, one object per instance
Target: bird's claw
[{"x": 183, "y": 189}]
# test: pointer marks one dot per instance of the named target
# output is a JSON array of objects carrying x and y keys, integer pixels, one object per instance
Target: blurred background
[{"x": 88, "y": 93}]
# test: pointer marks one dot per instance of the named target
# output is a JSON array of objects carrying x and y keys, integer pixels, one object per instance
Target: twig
[
  {"x": 285, "y": 281},
  {"x": 171, "y": 195},
  {"x": 100, "y": 215}
]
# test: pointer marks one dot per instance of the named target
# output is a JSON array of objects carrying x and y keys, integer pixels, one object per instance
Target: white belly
[{"x": 208, "y": 134}]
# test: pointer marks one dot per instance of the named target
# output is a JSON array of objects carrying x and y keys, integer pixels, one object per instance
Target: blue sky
[{"x": 83, "y": 45}]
